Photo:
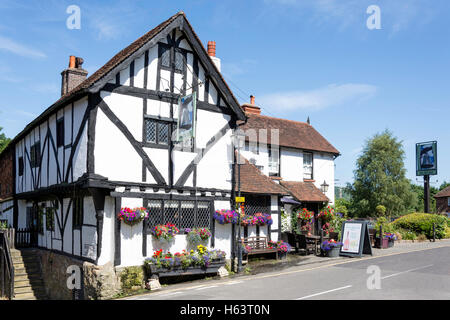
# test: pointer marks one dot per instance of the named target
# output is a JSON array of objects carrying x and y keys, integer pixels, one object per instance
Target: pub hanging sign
[
  {"x": 187, "y": 109},
  {"x": 426, "y": 158}
]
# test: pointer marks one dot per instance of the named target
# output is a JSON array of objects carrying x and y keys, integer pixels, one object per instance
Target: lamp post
[{"x": 238, "y": 139}]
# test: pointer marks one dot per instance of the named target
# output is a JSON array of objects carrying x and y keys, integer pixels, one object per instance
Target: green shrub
[
  {"x": 407, "y": 235},
  {"x": 422, "y": 223},
  {"x": 447, "y": 233},
  {"x": 131, "y": 277}
]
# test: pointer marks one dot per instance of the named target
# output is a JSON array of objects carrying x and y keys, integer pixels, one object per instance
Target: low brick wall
[{"x": 99, "y": 282}]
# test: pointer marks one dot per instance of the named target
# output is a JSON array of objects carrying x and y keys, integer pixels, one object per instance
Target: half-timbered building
[{"x": 107, "y": 143}]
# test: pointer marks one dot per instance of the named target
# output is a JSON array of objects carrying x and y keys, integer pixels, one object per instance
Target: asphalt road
[{"x": 420, "y": 275}]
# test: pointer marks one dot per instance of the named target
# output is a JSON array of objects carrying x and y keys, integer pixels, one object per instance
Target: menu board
[{"x": 355, "y": 239}]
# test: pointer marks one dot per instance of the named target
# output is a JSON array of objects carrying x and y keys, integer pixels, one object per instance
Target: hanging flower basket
[
  {"x": 260, "y": 219},
  {"x": 197, "y": 235},
  {"x": 326, "y": 214},
  {"x": 132, "y": 216},
  {"x": 164, "y": 231},
  {"x": 305, "y": 214},
  {"x": 226, "y": 216}
]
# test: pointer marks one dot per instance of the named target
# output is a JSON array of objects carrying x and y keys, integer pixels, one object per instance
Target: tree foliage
[
  {"x": 3, "y": 140},
  {"x": 379, "y": 178}
]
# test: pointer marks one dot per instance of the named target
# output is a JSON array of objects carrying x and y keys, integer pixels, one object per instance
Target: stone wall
[{"x": 99, "y": 282}]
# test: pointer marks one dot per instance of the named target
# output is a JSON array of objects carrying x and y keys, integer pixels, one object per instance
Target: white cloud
[
  {"x": 20, "y": 49},
  {"x": 317, "y": 99}
]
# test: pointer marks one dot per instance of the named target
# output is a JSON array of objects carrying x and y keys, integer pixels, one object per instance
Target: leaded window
[
  {"x": 157, "y": 131},
  {"x": 164, "y": 56},
  {"x": 183, "y": 213},
  {"x": 179, "y": 61},
  {"x": 256, "y": 204}
]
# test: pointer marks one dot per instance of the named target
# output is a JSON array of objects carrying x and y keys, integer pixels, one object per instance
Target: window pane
[
  {"x": 163, "y": 133},
  {"x": 165, "y": 56},
  {"x": 203, "y": 214},
  {"x": 150, "y": 131},
  {"x": 155, "y": 216},
  {"x": 187, "y": 214},
  {"x": 171, "y": 212},
  {"x": 179, "y": 61}
]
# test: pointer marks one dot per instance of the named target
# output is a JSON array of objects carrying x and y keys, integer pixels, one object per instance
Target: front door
[{"x": 32, "y": 225}]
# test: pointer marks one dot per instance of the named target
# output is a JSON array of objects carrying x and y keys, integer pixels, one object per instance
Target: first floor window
[
  {"x": 448, "y": 201},
  {"x": 274, "y": 161},
  {"x": 307, "y": 165},
  {"x": 157, "y": 131},
  {"x": 20, "y": 166},
  {"x": 35, "y": 155},
  {"x": 60, "y": 133},
  {"x": 77, "y": 213}
]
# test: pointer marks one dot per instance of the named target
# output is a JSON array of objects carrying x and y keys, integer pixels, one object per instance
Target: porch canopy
[{"x": 305, "y": 191}]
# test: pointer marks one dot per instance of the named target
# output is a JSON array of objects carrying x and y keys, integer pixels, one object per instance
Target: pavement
[{"x": 409, "y": 270}]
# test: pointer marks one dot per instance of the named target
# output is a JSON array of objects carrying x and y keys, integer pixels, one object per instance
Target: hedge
[{"x": 422, "y": 223}]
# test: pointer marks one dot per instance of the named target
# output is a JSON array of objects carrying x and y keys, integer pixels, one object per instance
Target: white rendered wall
[{"x": 7, "y": 214}]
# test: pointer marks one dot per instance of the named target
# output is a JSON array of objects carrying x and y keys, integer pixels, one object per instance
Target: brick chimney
[
  {"x": 73, "y": 75},
  {"x": 212, "y": 53},
  {"x": 250, "y": 108}
]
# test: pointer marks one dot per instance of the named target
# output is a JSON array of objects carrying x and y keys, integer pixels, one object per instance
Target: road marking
[
  {"x": 205, "y": 287},
  {"x": 324, "y": 292},
  {"x": 171, "y": 293},
  {"x": 410, "y": 270},
  {"x": 232, "y": 282},
  {"x": 247, "y": 278}
]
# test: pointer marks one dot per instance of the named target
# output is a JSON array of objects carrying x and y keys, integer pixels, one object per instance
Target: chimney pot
[
  {"x": 72, "y": 62},
  {"x": 252, "y": 99},
  {"x": 72, "y": 76},
  {"x": 212, "y": 48}
]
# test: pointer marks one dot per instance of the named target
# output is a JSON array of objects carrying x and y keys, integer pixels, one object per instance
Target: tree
[
  {"x": 3, "y": 140},
  {"x": 444, "y": 185},
  {"x": 379, "y": 178},
  {"x": 419, "y": 192}
]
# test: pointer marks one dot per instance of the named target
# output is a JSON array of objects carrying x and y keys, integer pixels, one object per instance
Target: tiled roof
[
  {"x": 293, "y": 134},
  {"x": 443, "y": 193},
  {"x": 305, "y": 191},
  {"x": 254, "y": 181},
  {"x": 83, "y": 87}
]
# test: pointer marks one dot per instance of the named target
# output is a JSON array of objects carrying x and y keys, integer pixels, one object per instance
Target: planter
[
  {"x": 391, "y": 243},
  {"x": 213, "y": 267},
  {"x": 384, "y": 243},
  {"x": 333, "y": 253}
]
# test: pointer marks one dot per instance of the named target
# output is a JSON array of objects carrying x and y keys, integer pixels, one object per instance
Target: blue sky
[{"x": 299, "y": 58}]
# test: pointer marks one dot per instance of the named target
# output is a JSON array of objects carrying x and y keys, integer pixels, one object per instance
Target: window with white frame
[
  {"x": 274, "y": 161},
  {"x": 307, "y": 166}
]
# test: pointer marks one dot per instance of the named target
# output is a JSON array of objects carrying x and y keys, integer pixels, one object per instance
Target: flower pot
[
  {"x": 333, "y": 252},
  {"x": 282, "y": 255}
]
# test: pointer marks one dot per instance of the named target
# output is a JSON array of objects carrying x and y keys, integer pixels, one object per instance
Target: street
[{"x": 420, "y": 274}]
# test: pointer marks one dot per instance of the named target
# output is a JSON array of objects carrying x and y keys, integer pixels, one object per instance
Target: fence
[{"x": 25, "y": 238}]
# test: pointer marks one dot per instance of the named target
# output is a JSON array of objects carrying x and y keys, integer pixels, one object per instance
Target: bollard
[{"x": 434, "y": 232}]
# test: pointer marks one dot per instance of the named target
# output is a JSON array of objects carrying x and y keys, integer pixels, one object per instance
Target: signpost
[
  {"x": 355, "y": 239},
  {"x": 426, "y": 165}
]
